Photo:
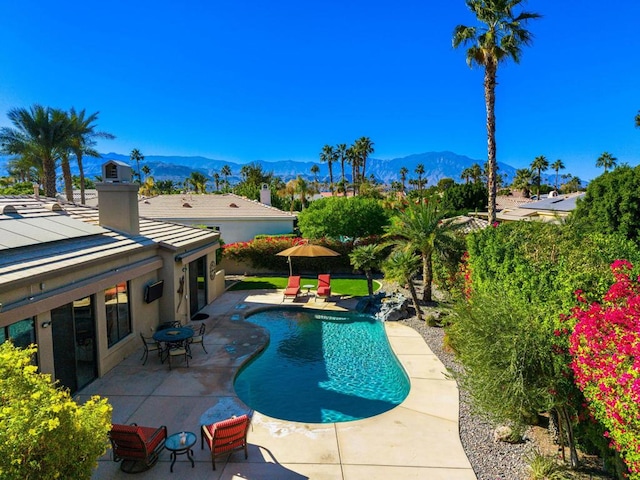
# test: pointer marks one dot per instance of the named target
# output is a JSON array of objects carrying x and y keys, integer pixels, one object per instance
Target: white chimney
[
  {"x": 265, "y": 194},
  {"x": 118, "y": 199}
]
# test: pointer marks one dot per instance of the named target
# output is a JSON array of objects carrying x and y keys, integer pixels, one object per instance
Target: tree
[
  {"x": 540, "y": 163},
  {"x": 225, "y": 171},
  {"x": 363, "y": 147},
  {"x": 328, "y": 156},
  {"x": 339, "y": 217},
  {"x": 461, "y": 198},
  {"x": 523, "y": 180},
  {"x": 403, "y": 177},
  {"x": 353, "y": 160},
  {"x": 314, "y": 171},
  {"x": 45, "y": 434},
  {"x": 83, "y": 141},
  {"x": 402, "y": 267},
  {"x": 341, "y": 152},
  {"x": 165, "y": 187},
  {"x": 637, "y": 119},
  {"x": 500, "y": 37},
  {"x": 419, "y": 182},
  {"x": 303, "y": 189},
  {"x": 612, "y": 204},
  {"x": 137, "y": 156},
  {"x": 421, "y": 228},
  {"x": 198, "y": 181},
  {"x": 252, "y": 178},
  {"x": 466, "y": 174},
  {"x": 216, "y": 181},
  {"x": 146, "y": 170},
  {"x": 476, "y": 173},
  {"x": 607, "y": 161},
  {"x": 557, "y": 166},
  {"x": 39, "y": 134},
  {"x": 367, "y": 258}
]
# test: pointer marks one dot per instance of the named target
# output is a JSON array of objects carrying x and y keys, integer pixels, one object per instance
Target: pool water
[{"x": 322, "y": 367}]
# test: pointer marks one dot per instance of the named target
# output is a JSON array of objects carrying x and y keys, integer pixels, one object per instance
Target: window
[
  {"x": 22, "y": 333},
  {"x": 116, "y": 301}
]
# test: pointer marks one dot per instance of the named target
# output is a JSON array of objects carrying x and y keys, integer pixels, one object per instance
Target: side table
[{"x": 176, "y": 447}]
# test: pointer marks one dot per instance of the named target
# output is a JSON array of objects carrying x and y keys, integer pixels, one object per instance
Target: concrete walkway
[{"x": 417, "y": 440}]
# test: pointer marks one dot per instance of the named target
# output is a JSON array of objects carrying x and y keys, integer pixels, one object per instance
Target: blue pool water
[{"x": 322, "y": 367}]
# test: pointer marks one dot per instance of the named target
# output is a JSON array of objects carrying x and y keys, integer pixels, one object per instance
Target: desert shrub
[{"x": 45, "y": 434}]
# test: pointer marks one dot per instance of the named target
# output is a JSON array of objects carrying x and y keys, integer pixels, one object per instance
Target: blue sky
[{"x": 242, "y": 80}]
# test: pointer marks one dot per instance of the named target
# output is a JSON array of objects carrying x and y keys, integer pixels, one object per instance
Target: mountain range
[{"x": 437, "y": 165}]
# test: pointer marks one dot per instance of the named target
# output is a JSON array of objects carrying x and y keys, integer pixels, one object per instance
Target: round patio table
[
  {"x": 176, "y": 447},
  {"x": 173, "y": 334}
]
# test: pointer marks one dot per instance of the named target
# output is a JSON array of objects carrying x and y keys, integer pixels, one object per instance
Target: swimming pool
[{"x": 322, "y": 367}]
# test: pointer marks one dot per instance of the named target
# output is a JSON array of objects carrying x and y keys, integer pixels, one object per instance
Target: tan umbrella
[{"x": 306, "y": 250}]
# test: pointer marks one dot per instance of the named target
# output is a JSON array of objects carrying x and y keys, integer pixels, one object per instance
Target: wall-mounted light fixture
[{"x": 46, "y": 324}]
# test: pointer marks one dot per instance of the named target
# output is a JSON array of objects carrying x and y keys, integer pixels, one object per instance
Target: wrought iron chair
[
  {"x": 150, "y": 345},
  {"x": 199, "y": 337}
]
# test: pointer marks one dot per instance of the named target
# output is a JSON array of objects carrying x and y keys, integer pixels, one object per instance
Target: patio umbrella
[{"x": 306, "y": 250}]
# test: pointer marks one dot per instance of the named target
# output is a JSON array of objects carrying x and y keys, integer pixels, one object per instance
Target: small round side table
[{"x": 176, "y": 447}]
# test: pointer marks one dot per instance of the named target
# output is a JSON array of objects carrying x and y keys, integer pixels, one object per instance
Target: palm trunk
[
  {"x": 427, "y": 277},
  {"x": 344, "y": 188},
  {"x": 66, "y": 175},
  {"x": 49, "y": 174},
  {"x": 414, "y": 297},
  {"x": 573, "y": 453},
  {"x": 330, "y": 177},
  {"x": 490, "y": 73},
  {"x": 369, "y": 282},
  {"x": 83, "y": 199}
]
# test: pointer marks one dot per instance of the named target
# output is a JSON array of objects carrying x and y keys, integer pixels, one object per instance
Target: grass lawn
[{"x": 356, "y": 287}]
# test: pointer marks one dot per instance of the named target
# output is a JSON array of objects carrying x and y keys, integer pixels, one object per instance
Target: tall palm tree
[
  {"x": 366, "y": 258},
  {"x": 83, "y": 141},
  {"x": 539, "y": 164},
  {"x": 146, "y": 170},
  {"x": 557, "y": 166},
  {"x": 341, "y": 152},
  {"x": 364, "y": 148},
  {"x": 314, "y": 171},
  {"x": 466, "y": 174},
  {"x": 403, "y": 178},
  {"x": 39, "y": 134},
  {"x": 607, "y": 161},
  {"x": 137, "y": 156},
  {"x": 420, "y": 182},
  {"x": 303, "y": 189},
  {"x": 421, "y": 228},
  {"x": 402, "y": 267},
  {"x": 328, "y": 156},
  {"x": 198, "y": 181},
  {"x": 499, "y": 37},
  {"x": 288, "y": 191},
  {"x": 225, "y": 171},
  {"x": 216, "y": 181},
  {"x": 352, "y": 159},
  {"x": 476, "y": 173}
]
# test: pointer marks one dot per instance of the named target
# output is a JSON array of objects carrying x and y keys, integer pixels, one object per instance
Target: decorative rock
[{"x": 506, "y": 434}]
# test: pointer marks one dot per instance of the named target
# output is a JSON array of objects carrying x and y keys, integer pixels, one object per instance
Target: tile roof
[{"x": 209, "y": 206}]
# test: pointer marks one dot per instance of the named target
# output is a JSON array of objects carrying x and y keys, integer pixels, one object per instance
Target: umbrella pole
[{"x": 290, "y": 267}]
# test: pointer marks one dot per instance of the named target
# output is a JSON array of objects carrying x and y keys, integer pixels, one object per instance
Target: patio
[{"x": 416, "y": 440}]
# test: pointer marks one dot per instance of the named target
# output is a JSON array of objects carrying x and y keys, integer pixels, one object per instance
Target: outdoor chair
[
  {"x": 293, "y": 287},
  {"x": 324, "y": 286},
  {"x": 137, "y": 447},
  {"x": 226, "y": 436},
  {"x": 150, "y": 345},
  {"x": 199, "y": 337},
  {"x": 179, "y": 350}
]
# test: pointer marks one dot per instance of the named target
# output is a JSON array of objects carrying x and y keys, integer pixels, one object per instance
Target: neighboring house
[
  {"x": 74, "y": 279},
  {"x": 550, "y": 209},
  {"x": 236, "y": 218}
]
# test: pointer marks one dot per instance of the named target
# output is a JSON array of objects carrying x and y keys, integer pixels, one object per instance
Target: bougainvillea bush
[{"x": 605, "y": 345}]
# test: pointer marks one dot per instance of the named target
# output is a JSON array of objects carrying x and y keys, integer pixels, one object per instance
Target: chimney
[
  {"x": 118, "y": 198},
  {"x": 265, "y": 194}
]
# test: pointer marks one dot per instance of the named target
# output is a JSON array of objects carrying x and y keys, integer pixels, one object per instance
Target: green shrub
[{"x": 44, "y": 433}]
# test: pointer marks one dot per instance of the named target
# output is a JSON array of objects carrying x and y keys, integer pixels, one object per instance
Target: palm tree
[
  {"x": 83, "y": 141},
  {"x": 352, "y": 159},
  {"x": 638, "y": 119},
  {"x": 366, "y": 258},
  {"x": 364, "y": 148},
  {"x": 557, "y": 166},
  {"x": 402, "y": 267},
  {"x": 146, "y": 170},
  {"x": 198, "y": 181},
  {"x": 302, "y": 188},
  {"x": 540, "y": 163},
  {"x": 421, "y": 228},
  {"x": 341, "y": 152},
  {"x": 39, "y": 134},
  {"x": 607, "y": 161},
  {"x": 466, "y": 174},
  {"x": 403, "y": 178},
  {"x": 137, "y": 156},
  {"x": 314, "y": 170},
  {"x": 523, "y": 180},
  {"x": 288, "y": 191},
  {"x": 328, "y": 156},
  {"x": 420, "y": 182},
  {"x": 216, "y": 180},
  {"x": 225, "y": 171},
  {"x": 500, "y": 37},
  {"x": 476, "y": 173}
]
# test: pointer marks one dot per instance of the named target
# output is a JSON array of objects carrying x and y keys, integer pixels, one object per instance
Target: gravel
[{"x": 490, "y": 460}]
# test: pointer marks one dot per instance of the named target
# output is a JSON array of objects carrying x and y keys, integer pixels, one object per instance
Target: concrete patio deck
[{"x": 415, "y": 441}]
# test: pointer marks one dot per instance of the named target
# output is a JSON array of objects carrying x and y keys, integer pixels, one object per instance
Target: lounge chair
[
  {"x": 293, "y": 287},
  {"x": 324, "y": 286},
  {"x": 226, "y": 436},
  {"x": 137, "y": 447}
]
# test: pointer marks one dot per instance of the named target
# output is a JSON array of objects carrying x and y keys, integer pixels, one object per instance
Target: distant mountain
[{"x": 437, "y": 165}]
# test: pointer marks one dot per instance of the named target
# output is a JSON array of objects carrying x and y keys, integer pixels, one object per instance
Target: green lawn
[{"x": 356, "y": 287}]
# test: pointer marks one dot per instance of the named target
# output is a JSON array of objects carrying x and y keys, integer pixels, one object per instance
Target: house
[
  {"x": 552, "y": 208},
  {"x": 236, "y": 218},
  {"x": 83, "y": 283}
]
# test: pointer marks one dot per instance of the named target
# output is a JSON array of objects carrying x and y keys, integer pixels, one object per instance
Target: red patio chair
[
  {"x": 293, "y": 287},
  {"x": 226, "y": 436},
  {"x": 138, "y": 447},
  {"x": 324, "y": 286}
]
